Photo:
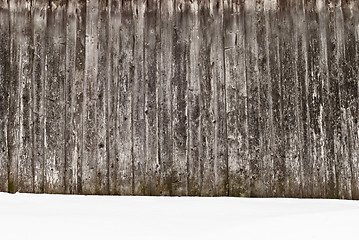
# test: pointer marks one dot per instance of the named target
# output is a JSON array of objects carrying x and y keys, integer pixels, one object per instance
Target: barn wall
[{"x": 179, "y": 97}]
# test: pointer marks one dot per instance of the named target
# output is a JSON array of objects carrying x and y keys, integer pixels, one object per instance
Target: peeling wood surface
[{"x": 178, "y": 97}]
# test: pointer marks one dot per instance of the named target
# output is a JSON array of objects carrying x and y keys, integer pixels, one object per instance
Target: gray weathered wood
[
  {"x": 277, "y": 151},
  {"x": 126, "y": 69},
  {"x": 14, "y": 95},
  {"x": 207, "y": 121},
  {"x": 265, "y": 104},
  {"x": 335, "y": 74},
  {"x": 219, "y": 99},
  {"x": 112, "y": 97},
  {"x": 39, "y": 14},
  {"x": 89, "y": 161},
  {"x": 179, "y": 86},
  {"x": 70, "y": 159},
  {"x": 25, "y": 161},
  {"x": 165, "y": 139},
  {"x": 350, "y": 97},
  {"x": 253, "y": 96},
  {"x": 137, "y": 89},
  {"x": 324, "y": 108},
  {"x": 78, "y": 96},
  {"x": 103, "y": 75},
  {"x": 4, "y": 92},
  {"x": 289, "y": 94},
  {"x": 55, "y": 68},
  {"x": 193, "y": 105},
  {"x": 151, "y": 80},
  {"x": 179, "y": 97},
  {"x": 236, "y": 98}
]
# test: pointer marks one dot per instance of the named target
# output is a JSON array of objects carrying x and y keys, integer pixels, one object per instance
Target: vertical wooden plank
[
  {"x": 102, "y": 166},
  {"x": 326, "y": 134},
  {"x": 355, "y": 148},
  {"x": 77, "y": 96},
  {"x": 4, "y": 92},
  {"x": 336, "y": 82},
  {"x": 165, "y": 99},
  {"x": 333, "y": 86},
  {"x": 25, "y": 167},
  {"x": 315, "y": 99},
  {"x": 38, "y": 81},
  {"x": 274, "y": 66},
  {"x": 265, "y": 14},
  {"x": 151, "y": 77},
  {"x": 206, "y": 103},
  {"x": 219, "y": 99},
  {"x": 236, "y": 98},
  {"x": 344, "y": 168},
  {"x": 112, "y": 94},
  {"x": 253, "y": 91},
  {"x": 230, "y": 24},
  {"x": 324, "y": 107},
  {"x": 350, "y": 98},
  {"x": 89, "y": 162},
  {"x": 193, "y": 104},
  {"x": 271, "y": 163},
  {"x": 179, "y": 85},
  {"x": 22, "y": 55},
  {"x": 264, "y": 101},
  {"x": 343, "y": 171},
  {"x": 296, "y": 13},
  {"x": 302, "y": 72},
  {"x": 328, "y": 108},
  {"x": 124, "y": 101},
  {"x": 16, "y": 16},
  {"x": 70, "y": 91},
  {"x": 289, "y": 99},
  {"x": 138, "y": 99},
  {"x": 54, "y": 98}
]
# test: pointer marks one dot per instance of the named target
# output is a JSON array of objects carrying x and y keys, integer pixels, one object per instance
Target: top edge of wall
[{"x": 257, "y": 5}]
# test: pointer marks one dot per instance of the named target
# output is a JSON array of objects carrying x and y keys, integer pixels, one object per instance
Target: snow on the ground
[{"x": 30, "y": 216}]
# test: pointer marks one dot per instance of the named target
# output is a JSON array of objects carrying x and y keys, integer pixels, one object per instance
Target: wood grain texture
[
  {"x": 219, "y": 100},
  {"x": 151, "y": 81},
  {"x": 350, "y": 96},
  {"x": 112, "y": 96},
  {"x": 207, "y": 121},
  {"x": 124, "y": 126},
  {"x": 178, "y": 97},
  {"x": 137, "y": 88},
  {"x": 165, "y": 139},
  {"x": 253, "y": 97},
  {"x": 70, "y": 159},
  {"x": 14, "y": 95},
  {"x": 193, "y": 105},
  {"x": 236, "y": 98},
  {"x": 179, "y": 103},
  {"x": 25, "y": 161},
  {"x": 103, "y": 75},
  {"x": 89, "y": 161},
  {"x": 39, "y": 14},
  {"x": 78, "y": 96},
  {"x": 55, "y": 69},
  {"x": 289, "y": 90},
  {"x": 4, "y": 92}
]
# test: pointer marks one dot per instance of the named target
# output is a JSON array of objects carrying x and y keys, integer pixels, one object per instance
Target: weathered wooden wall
[{"x": 180, "y": 97}]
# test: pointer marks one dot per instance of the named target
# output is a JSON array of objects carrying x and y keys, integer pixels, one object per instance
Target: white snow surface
[{"x": 42, "y": 216}]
